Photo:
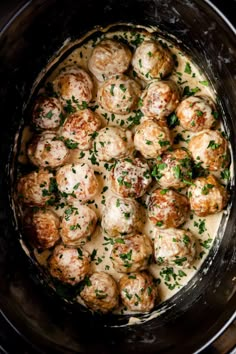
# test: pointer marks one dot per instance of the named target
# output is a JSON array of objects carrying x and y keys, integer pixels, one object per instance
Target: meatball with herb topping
[
  {"x": 167, "y": 208},
  {"x": 132, "y": 255},
  {"x": 100, "y": 292},
  {"x": 207, "y": 196},
  {"x": 77, "y": 223},
  {"x": 80, "y": 127},
  {"x": 174, "y": 247},
  {"x": 46, "y": 150},
  {"x": 138, "y": 291},
  {"x": 119, "y": 94},
  {"x": 121, "y": 216},
  {"x": 109, "y": 58},
  {"x": 130, "y": 178},
  {"x": 77, "y": 181},
  {"x": 69, "y": 265},
  {"x": 173, "y": 169},
  {"x": 113, "y": 143},
  {"x": 47, "y": 113},
  {"x": 160, "y": 98},
  {"x": 197, "y": 113},
  {"x": 210, "y": 149},
  {"x": 151, "y": 138},
  {"x": 152, "y": 60},
  {"x": 36, "y": 188}
]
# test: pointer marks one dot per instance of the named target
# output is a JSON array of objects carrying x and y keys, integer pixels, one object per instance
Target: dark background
[{"x": 10, "y": 342}]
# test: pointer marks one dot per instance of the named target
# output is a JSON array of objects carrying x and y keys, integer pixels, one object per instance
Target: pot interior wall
[{"x": 26, "y": 47}]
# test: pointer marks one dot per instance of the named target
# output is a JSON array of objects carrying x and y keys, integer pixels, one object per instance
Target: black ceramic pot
[{"x": 196, "y": 315}]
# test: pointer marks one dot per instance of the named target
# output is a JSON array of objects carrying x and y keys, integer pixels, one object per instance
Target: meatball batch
[
  {"x": 151, "y": 138},
  {"x": 73, "y": 86},
  {"x": 160, "y": 98},
  {"x": 77, "y": 181},
  {"x": 79, "y": 128},
  {"x": 47, "y": 150},
  {"x": 207, "y": 196},
  {"x": 197, "y": 113},
  {"x": 121, "y": 216},
  {"x": 42, "y": 228},
  {"x": 47, "y": 113},
  {"x": 109, "y": 58},
  {"x": 69, "y": 265},
  {"x": 132, "y": 255},
  {"x": 119, "y": 94},
  {"x": 138, "y": 291},
  {"x": 210, "y": 149},
  {"x": 152, "y": 61},
  {"x": 173, "y": 169},
  {"x": 113, "y": 143},
  {"x": 77, "y": 223},
  {"x": 130, "y": 178},
  {"x": 100, "y": 292},
  {"x": 168, "y": 208},
  {"x": 174, "y": 247}
]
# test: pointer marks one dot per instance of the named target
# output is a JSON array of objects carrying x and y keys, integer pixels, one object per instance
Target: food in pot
[{"x": 47, "y": 113}]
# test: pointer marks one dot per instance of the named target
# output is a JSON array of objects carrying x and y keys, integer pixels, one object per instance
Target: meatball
[
  {"x": 77, "y": 181},
  {"x": 207, "y": 196},
  {"x": 167, "y": 208},
  {"x": 46, "y": 150},
  {"x": 133, "y": 254},
  {"x": 100, "y": 292},
  {"x": 151, "y": 138},
  {"x": 69, "y": 265},
  {"x": 34, "y": 189},
  {"x": 109, "y": 58},
  {"x": 210, "y": 149},
  {"x": 152, "y": 61},
  {"x": 160, "y": 98},
  {"x": 174, "y": 247},
  {"x": 77, "y": 223},
  {"x": 130, "y": 178},
  {"x": 74, "y": 87},
  {"x": 80, "y": 126},
  {"x": 119, "y": 94},
  {"x": 47, "y": 113},
  {"x": 42, "y": 228},
  {"x": 113, "y": 143},
  {"x": 120, "y": 216},
  {"x": 138, "y": 291},
  {"x": 197, "y": 113},
  {"x": 174, "y": 169}
]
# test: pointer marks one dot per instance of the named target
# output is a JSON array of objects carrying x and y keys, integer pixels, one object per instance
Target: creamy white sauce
[{"x": 101, "y": 243}]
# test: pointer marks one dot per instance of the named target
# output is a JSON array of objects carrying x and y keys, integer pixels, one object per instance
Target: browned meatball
[
  {"x": 34, "y": 189},
  {"x": 210, "y": 149},
  {"x": 42, "y": 228},
  {"x": 119, "y": 94},
  {"x": 109, "y": 58},
  {"x": 46, "y": 150},
  {"x": 133, "y": 254},
  {"x": 130, "y": 178},
  {"x": 138, "y": 291},
  {"x": 207, "y": 196},
  {"x": 47, "y": 113},
  {"x": 152, "y": 61},
  {"x": 174, "y": 169},
  {"x": 100, "y": 292},
  {"x": 152, "y": 137},
  {"x": 167, "y": 208},
  {"x": 197, "y": 113},
  {"x": 160, "y": 98},
  {"x": 80, "y": 126},
  {"x": 69, "y": 265},
  {"x": 174, "y": 247}
]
